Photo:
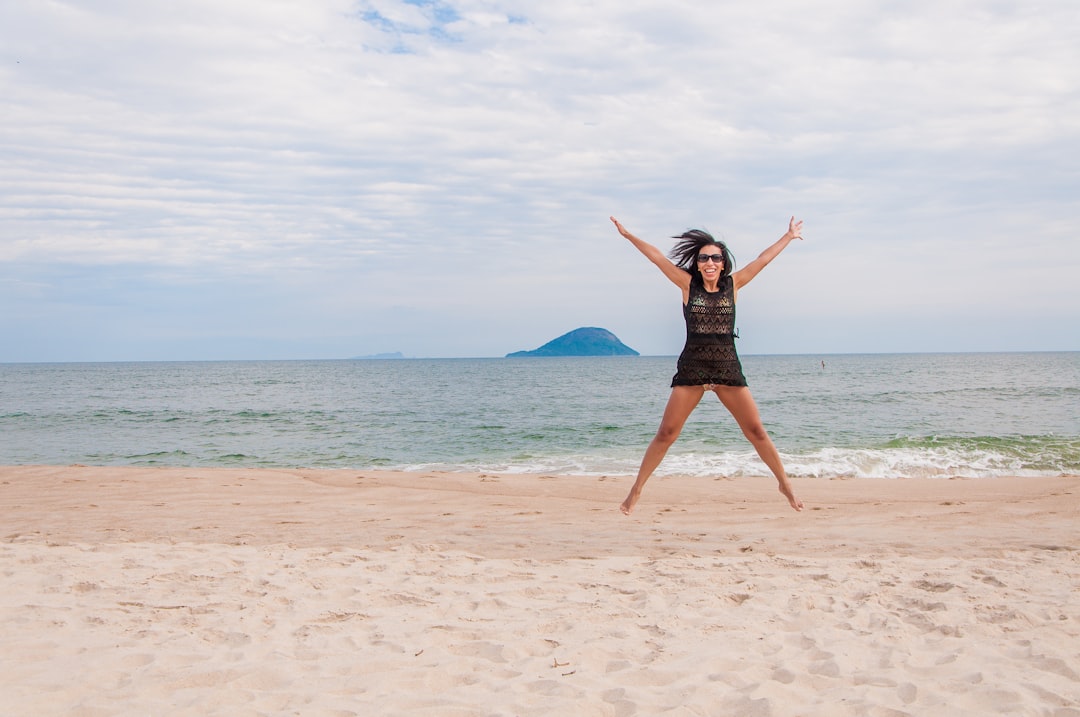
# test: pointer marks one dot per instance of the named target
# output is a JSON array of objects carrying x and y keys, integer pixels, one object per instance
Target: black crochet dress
[{"x": 709, "y": 355}]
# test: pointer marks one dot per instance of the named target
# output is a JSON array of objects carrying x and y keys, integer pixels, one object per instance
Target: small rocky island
[
  {"x": 586, "y": 341},
  {"x": 394, "y": 355}
]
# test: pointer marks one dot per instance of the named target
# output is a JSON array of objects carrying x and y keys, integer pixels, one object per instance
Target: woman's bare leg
[
  {"x": 680, "y": 405},
  {"x": 739, "y": 401}
]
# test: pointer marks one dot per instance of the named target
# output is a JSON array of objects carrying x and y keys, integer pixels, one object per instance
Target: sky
[{"x": 259, "y": 179}]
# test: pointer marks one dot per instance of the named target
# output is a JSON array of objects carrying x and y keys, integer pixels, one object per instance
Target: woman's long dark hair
[{"x": 690, "y": 244}]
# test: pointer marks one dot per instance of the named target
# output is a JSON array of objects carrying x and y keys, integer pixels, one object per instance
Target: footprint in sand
[
  {"x": 933, "y": 587},
  {"x": 907, "y": 693}
]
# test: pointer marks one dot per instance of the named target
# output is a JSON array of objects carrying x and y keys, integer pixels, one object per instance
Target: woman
[{"x": 708, "y": 362}]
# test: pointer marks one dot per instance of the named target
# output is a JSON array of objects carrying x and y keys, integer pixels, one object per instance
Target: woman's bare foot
[
  {"x": 627, "y": 506},
  {"x": 787, "y": 492}
]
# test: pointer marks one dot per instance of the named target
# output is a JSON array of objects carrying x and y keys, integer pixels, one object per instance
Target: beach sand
[{"x": 198, "y": 591}]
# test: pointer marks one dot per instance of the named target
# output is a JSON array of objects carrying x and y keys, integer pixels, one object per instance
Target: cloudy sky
[{"x": 220, "y": 179}]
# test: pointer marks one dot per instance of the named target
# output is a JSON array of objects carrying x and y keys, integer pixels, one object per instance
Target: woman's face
[{"x": 713, "y": 265}]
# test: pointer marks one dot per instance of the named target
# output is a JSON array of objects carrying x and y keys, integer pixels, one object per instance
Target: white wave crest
[{"x": 883, "y": 463}]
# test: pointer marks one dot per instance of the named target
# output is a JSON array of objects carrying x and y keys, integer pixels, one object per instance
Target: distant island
[
  {"x": 394, "y": 355},
  {"x": 586, "y": 341}
]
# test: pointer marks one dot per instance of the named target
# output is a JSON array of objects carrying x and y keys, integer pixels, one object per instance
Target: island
[
  {"x": 393, "y": 355},
  {"x": 586, "y": 341}
]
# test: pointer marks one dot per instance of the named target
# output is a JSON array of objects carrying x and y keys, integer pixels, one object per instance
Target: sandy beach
[{"x": 192, "y": 591}]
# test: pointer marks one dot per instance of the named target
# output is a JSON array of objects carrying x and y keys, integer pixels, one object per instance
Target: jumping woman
[{"x": 701, "y": 267}]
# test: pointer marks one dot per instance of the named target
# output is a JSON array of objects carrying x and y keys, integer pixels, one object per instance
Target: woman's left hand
[{"x": 794, "y": 229}]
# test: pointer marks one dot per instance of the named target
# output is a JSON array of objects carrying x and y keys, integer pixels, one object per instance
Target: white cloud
[{"x": 432, "y": 156}]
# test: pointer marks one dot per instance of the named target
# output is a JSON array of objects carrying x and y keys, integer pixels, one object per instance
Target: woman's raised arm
[
  {"x": 679, "y": 277},
  {"x": 743, "y": 276}
]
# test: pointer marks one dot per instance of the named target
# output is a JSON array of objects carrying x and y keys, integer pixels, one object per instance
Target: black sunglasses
[{"x": 716, "y": 258}]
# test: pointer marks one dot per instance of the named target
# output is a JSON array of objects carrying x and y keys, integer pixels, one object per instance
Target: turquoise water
[{"x": 864, "y": 416}]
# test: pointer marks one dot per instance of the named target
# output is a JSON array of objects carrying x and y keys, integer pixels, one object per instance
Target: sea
[{"x": 862, "y": 416}]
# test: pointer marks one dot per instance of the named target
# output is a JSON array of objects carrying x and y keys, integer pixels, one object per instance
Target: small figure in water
[{"x": 701, "y": 267}]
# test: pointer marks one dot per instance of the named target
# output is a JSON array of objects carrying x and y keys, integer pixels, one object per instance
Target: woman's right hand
[{"x": 620, "y": 227}]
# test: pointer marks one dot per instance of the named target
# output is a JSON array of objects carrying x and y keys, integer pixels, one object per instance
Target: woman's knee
[
  {"x": 666, "y": 434},
  {"x": 755, "y": 432}
]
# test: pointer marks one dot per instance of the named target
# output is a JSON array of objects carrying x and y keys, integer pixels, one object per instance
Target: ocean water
[{"x": 859, "y": 416}]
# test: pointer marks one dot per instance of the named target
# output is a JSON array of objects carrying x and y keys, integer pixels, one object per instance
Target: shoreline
[
  {"x": 258, "y": 591},
  {"x": 379, "y": 510}
]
